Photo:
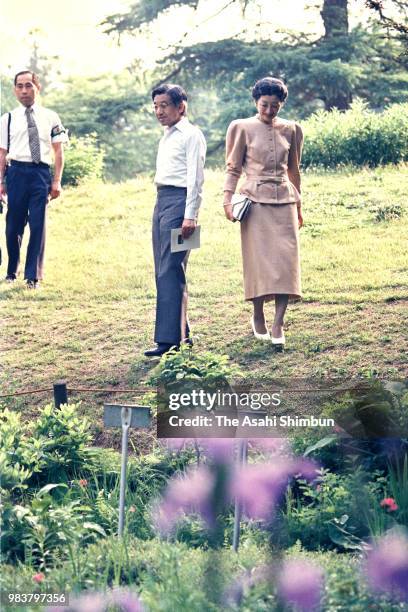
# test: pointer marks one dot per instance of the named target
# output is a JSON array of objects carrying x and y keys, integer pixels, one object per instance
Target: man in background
[
  {"x": 30, "y": 136},
  {"x": 179, "y": 179}
]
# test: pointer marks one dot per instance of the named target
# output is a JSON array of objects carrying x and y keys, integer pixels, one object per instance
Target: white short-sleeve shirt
[{"x": 50, "y": 130}]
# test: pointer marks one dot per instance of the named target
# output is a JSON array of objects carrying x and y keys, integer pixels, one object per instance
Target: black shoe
[
  {"x": 160, "y": 350},
  {"x": 10, "y": 278},
  {"x": 31, "y": 284}
]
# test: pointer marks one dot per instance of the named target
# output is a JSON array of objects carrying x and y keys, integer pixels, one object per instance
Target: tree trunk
[{"x": 335, "y": 18}]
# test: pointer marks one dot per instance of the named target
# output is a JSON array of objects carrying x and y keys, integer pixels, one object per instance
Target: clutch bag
[{"x": 240, "y": 206}]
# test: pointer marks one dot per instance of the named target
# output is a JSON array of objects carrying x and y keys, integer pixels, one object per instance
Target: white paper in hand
[{"x": 178, "y": 243}]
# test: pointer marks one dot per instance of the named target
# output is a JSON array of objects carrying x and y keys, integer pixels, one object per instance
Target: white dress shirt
[
  {"x": 180, "y": 162},
  {"x": 50, "y": 130}
]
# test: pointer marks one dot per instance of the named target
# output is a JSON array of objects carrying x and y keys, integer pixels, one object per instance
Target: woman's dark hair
[
  {"x": 175, "y": 92},
  {"x": 34, "y": 77},
  {"x": 270, "y": 86}
]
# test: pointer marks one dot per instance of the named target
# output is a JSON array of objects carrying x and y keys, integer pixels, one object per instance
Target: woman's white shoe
[{"x": 257, "y": 335}]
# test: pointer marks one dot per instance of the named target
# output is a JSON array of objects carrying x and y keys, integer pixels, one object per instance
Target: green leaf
[
  {"x": 342, "y": 538},
  {"x": 320, "y": 444},
  {"x": 49, "y": 488},
  {"x": 95, "y": 527}
]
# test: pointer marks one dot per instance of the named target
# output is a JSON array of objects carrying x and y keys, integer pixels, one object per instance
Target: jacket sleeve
[
  {"x": 295, "y": 154},
  {"x": 235, "y": 155}
]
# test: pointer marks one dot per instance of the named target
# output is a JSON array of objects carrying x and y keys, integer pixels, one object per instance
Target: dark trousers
[
  {"x": 171, "y": 318},
  {"x": 28, "y": 186}
]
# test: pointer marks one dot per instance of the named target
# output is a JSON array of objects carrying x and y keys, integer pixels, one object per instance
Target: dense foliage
[
  {"x": 60, "y": 498},
  {"x": 113, "y": 112},
  {"x": 59, "y": 494},
  {"x": 358, "y": 137},
  {"x": 84, "y": 160}
]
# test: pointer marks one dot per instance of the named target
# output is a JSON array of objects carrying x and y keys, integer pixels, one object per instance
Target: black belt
[
  {"x": 14, "y": 162},
  {"x": 159, "y": 187}
]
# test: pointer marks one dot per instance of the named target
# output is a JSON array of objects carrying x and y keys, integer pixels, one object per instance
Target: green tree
[
  {"x": 45, "y": 66},
  {"x": 327, "y": 72},
  {"x": 397, "y": 23},
  {"x": 7, "y": 98},
  {"x": 115, "y": 111}
]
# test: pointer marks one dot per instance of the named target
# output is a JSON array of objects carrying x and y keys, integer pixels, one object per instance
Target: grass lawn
[{"x": 93, "y": 316}]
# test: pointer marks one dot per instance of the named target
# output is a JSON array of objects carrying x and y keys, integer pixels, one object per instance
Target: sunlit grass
[{"x": 94, "y": 314}]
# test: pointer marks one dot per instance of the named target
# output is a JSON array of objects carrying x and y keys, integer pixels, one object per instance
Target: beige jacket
[{"x": 269, "y": 155}]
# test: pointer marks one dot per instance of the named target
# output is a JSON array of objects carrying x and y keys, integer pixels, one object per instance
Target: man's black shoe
[
  {"x": 10, "y": 278},
  {"x": 160, "y": 350},
  {"x": 31, "y": 284}
]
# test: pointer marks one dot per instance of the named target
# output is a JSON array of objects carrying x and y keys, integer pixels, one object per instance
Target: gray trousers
[{"x": 170, "y": 268}]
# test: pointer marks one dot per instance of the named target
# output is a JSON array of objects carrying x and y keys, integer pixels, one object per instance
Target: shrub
[
  {"x": 79, "y": 486},
  {"x": 186, "y": 365},
  {"x": 358, "y": 137},
  {"x": 325, "y": 514},
  {"x": 20, "y": 455},
  {"x": 84, "y": 160},
  {"x": 65, "y": 436},
  {"x": 46, "y": 528},
  {"x": 53, "y": 450}
]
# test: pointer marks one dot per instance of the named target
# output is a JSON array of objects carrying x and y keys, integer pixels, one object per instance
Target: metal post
[
  {"x": 241, "y": 459},
  {"x": 126, "y": 415},
  {"x": 60, "y": 393}
]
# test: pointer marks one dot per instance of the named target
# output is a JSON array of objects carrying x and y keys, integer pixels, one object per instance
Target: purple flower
[
  {"x": 89, "y": 602},
  {"x": 221, "y": 450},
  {"x": 301, "y": 583},
  {"x": 126, "y": 601},
  {"x": 258, "y": 487},
  {"x": 387, "y": 564},
  {"x": 190, "y": 493}
]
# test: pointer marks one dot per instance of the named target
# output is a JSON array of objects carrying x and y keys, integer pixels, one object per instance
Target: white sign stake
[{"x": 117, "y": 415}]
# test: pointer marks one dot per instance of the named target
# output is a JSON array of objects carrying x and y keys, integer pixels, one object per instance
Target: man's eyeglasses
[{"x": 162, "y": 106}]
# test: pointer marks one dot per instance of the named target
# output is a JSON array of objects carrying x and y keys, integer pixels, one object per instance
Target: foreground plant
[
  {"x": 120, "y": 600},
  {"x": 257, "y": 487},
  {"x": 300, "y": 583},
  {"x": 386, "y": 565},
  {"x": 212, "y": 488}
]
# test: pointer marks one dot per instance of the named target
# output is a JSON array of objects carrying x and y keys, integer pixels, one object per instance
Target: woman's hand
[
  {"x": 228, "y": 211},
  {"x": 300, "y": 216}
]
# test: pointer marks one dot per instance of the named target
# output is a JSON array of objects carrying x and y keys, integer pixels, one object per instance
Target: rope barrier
[
  {"x": 73, "y": 390},
  {"x": 146, "y": 389},
  {"x": 138, "y": 390},
  {"x": 32, "y": 391}
]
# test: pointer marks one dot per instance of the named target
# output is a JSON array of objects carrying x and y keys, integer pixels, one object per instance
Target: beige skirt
[{"x": 270, "y": 251}]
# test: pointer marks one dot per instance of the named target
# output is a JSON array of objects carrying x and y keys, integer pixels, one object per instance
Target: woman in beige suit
[{"x": 267, "y": 149}]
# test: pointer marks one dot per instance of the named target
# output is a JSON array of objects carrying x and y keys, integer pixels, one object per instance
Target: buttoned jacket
[{"x": 269, "y": 155}]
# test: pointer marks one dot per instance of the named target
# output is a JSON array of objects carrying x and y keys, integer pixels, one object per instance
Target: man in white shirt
[
  {"x": 30, "y": 136},
  {"x": 179, "y": 180}
]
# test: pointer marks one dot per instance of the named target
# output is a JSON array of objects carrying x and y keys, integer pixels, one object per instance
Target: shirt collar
[
  {"x": 181, "y": 125},
  {"x": 35, "y": 107}
]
